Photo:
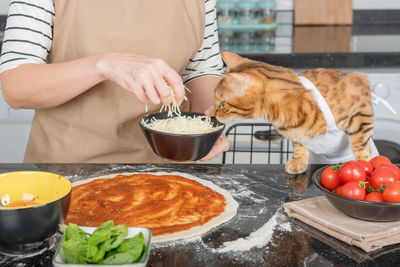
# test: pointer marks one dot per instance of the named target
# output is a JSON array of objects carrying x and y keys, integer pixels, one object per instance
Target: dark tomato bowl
[
  {"x": 26, "y": 226},
  {"x": 180, "y": 147},
  {"x": 359, "y": 209}
]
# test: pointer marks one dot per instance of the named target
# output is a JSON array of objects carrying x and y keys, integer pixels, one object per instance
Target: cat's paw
[{"x": 295, "y": 166}]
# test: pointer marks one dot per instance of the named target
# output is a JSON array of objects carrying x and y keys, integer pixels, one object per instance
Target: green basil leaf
[
  {"x": 74, "y": 232},
  {"x": 107, "y": 244},
  {"x": 118, "y": 233},
  {"x": 106, "y": 225},
  {"x": 145, "y": 249},
  {"x": 133, "y": 245},
  {"x": 75, "y": 250},
  {"x": 119, "y": 258}
]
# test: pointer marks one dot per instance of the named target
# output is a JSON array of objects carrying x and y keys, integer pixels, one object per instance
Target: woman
[{"x": 88, "y": 68}]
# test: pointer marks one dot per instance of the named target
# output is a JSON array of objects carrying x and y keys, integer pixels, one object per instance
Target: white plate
[{"x": 59, "y": 260}]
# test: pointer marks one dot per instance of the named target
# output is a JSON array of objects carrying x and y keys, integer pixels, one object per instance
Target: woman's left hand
[{"x": 220, "y": 146}]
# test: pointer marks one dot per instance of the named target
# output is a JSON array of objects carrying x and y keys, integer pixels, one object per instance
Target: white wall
[
  {"x": 3, "y": 7},
  {"x": 357, "y": 4},
  {"x": 373, "y": 4}
]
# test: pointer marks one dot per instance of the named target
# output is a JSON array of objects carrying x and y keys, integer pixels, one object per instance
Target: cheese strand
[{"x": 180, "y": 124}]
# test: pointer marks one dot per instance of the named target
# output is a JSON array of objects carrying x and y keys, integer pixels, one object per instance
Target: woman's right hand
[{"x": 150, "y": 79}]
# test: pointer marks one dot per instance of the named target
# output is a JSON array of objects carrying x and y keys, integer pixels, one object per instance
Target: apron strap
[
  {"x": 330, "y": 120},
  {"x": 377, "y": 100}
]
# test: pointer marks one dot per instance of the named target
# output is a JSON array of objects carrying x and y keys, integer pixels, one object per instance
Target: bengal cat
[{"x": 252, "y": 89}]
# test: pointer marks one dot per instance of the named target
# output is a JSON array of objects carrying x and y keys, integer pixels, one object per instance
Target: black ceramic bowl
[
  {"x": 27, "y": 229},
  {"x": 180, "y": 147},
  {"x": 360, "y": 209}
]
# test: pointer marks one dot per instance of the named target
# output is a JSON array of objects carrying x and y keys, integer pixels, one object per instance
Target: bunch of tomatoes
[{"x": 375, "y": 180}]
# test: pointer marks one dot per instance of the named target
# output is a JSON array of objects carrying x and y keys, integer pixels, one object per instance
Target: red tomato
[
  {"x": 368, "y": 168},
  {"x": 353, "y": 190},
  {"x": 351, "y": 172},
  {"x": 392, "y": 167},
  {"x": 367, "y": 186},
  {"x": 338, "y": 190},
  {"x": 330, "y": 178},
  {"x": 392, "y": 192},
  {"x": 382, "y": 176},
  {"x": 374, "y": 196},
  {"x": 379, "y": 160}
]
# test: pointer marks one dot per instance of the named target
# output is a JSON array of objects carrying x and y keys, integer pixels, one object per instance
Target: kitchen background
[{"x": 367, "y": 39}]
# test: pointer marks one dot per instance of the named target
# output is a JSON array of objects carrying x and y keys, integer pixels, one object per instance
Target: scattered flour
[
  {"x": 258, "y": 238},
  {"x": 179, "y": 242},
  {"x": 245, "y": 193},
  {"x": 286, "y": 227}
]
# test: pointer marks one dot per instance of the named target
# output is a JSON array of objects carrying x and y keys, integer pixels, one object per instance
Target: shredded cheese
[
  {"x": 173, "y": 107},
  {"x": 180, "y": 124}
]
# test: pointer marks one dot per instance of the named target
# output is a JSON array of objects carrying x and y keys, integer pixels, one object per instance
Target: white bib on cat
[{"x": 333, "y": 146}]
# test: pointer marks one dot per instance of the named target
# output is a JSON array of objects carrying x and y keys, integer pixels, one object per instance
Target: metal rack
[{"x": 253, "y": 143}]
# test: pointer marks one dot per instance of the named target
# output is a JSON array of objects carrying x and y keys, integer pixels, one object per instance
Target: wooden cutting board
[
  {"x": 323, "y": 12},
  {"x": 321, "y": 39}
]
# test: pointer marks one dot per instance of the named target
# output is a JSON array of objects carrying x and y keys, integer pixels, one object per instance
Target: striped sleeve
[
  {"x": 28, "y": 33},
  {"x": 207, "y": 60}
]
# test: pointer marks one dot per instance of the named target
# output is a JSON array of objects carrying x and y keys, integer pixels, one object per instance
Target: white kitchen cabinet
[
  {"x": 15, "y": 127},
  {"x": 13, "y": 139}
]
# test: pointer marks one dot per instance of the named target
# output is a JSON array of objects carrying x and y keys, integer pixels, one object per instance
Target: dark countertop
[
  {"x": 261, "y": 191},
  {"x": 331, "y": 60}
]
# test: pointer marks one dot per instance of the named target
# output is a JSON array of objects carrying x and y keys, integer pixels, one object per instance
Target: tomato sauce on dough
[{"x": 164, "y": 203}]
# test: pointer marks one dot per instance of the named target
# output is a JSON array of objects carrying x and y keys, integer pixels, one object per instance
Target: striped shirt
[{"x": 28, "y": 37}]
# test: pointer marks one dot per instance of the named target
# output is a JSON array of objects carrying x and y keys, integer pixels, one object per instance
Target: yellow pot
[{"x": 26, "y": 228}]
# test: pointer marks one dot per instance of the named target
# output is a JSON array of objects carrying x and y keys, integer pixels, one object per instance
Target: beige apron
[{"x": 101, "y": 125}]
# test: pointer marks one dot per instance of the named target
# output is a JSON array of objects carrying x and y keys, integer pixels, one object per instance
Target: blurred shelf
[{"x": 247, "y": 27}]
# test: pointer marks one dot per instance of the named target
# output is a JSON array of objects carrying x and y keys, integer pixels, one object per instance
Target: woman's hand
[
  {"x": 220, "y": 146},
  {"x": 150, "y": 79}
]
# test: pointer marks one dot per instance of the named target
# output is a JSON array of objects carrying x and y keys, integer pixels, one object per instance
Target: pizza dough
[{"x": 228, "y": 212}]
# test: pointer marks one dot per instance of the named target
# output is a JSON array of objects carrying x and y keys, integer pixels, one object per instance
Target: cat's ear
[
  {"x": 237, "y": 77},
  {"x": 239, "y": 82},
  {"x": 232, "y": 59}
]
